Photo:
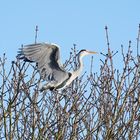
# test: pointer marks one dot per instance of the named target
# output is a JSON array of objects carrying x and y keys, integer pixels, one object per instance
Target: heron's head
[{"x": 86, "y": 52}]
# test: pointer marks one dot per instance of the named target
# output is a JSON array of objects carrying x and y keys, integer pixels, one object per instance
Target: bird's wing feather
[{"x": 47, "y": 57}]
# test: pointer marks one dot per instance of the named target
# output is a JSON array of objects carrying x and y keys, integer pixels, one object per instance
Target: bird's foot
[{"x": 43, "y": 88}]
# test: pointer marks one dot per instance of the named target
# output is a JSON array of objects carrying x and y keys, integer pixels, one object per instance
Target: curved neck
[
  {"x": 77, "y": 71},
  {"x": 80, "y": 64},
  {"x": 79, "y": 68}
]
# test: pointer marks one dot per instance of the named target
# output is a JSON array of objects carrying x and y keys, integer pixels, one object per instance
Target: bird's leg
[
  {"x": 49, "y": 85},
  {"x": 45, "y": 87}
]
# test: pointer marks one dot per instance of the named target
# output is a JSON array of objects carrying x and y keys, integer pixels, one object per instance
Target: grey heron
[{"x": 47, "y": 58}]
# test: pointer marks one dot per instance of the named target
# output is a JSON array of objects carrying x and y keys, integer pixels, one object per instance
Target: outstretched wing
[{"x": 47, "y": 57}]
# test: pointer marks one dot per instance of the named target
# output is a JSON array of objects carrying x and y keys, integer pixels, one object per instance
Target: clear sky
[{"x": 65, "y": 22}]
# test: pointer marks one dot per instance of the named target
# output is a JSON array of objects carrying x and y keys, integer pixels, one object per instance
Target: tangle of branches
[{"x": 103, "y": 105}]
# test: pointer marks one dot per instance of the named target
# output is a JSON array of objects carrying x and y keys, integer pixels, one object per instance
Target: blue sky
[{"x": 66, "y": 22}]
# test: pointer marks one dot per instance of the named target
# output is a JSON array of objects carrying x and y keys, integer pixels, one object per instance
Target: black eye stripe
[{"x": 82, "y": 50}]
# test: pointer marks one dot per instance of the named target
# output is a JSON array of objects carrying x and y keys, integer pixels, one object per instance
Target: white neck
[{"x": 77, "y": 72}]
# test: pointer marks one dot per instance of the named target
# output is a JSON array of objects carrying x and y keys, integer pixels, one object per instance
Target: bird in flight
[{"x": 47, "y": 58}]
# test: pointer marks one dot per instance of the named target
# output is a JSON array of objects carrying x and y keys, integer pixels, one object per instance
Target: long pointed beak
[{"x": 91, "y": 52}]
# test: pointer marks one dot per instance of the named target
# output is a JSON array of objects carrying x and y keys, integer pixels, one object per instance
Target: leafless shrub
[{"x": 103, "y": 105}]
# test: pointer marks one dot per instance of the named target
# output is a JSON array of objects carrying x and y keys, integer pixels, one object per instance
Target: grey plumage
[{"x": 47, "y": 58}]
